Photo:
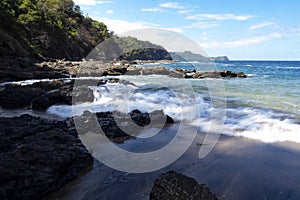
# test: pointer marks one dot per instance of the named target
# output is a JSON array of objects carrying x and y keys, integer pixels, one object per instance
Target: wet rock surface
[
  {"x": 18, "y": 69},
  {"x": 120, "y": 125},
  {"x": 39, "y": 95},
  {"x": 174, "y": 186},
  {"x": 38, "y": 156}
]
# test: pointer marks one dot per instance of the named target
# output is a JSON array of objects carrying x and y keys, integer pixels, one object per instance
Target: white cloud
[
  {"x": 202, "y": 25},
  {"x": 103, "y": 2},
  {"x": 110, "y": 12},
  {"x": 261, "y": 25},
  {"x": 254, "y": 40},
  {"x": 153, "y": 10},
  {"x": 121, "y": 26},
  {"x": 173, "y": 5},
  {"x": 176, "y": 29},
  {"x": 220, "y": 17},
  {"x": 242, "y": 42},
  {"x": 170, "y": 40},
  {"x": 90, "y": 2},
  {"x": 184, "y": 11},
  {"x": 294, "y": 32},
  {"x": 85, "y": 2}
]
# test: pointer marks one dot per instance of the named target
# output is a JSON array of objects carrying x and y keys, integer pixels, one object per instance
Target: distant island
[{"x": 190, "y": 56}]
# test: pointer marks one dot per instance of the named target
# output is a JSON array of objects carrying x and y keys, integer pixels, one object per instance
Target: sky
[{"x": 239, "y": 29}]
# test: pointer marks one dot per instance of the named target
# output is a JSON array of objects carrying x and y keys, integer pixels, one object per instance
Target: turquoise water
[
  {"x": 271, "y": 84},
  {"x": 265, "y": 106}
]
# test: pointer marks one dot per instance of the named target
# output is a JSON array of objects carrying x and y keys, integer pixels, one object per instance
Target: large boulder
[{"x": 174, "y": 186}]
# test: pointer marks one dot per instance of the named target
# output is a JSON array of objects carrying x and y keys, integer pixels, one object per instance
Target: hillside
[
  {"x": 47, "y": 28},
  {"x": 141, "y": 50},
  {"x": 58, "y": 29},
  {"x": 189, "y": 56}
]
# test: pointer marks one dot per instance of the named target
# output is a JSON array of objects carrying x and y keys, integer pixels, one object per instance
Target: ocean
[{"x": 264, "y": 107}]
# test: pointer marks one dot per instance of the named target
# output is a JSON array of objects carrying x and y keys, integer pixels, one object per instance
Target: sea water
[{"x": 265, "y": 106}]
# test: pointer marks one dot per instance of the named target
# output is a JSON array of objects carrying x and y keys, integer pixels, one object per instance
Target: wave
[
  {"x": 259, "y": 124},
  {"x": 287, "y": 67},
  {"x": 118, "y": 97},
  {"x": 251, "y": 75},
  {"x": 254, "y": 123},
  {"x": 33, "y": 81}
]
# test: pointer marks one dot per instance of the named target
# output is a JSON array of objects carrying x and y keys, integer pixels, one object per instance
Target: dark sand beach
[{"x": 237, "y": 168}]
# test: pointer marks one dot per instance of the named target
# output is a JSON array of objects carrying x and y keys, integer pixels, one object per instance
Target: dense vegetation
[
  {"x": 58, "y": 29},
  {"x": 134, "y": 49},
  {"x": 190, "y": 56},
  {"x": 47, "y": 28}
]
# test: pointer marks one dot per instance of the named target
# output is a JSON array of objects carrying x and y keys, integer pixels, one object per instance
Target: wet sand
[{"x": 237, "y": 168}]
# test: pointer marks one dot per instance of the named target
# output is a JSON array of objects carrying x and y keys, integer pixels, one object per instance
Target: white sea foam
[
  {"x": 254, "y": 123},
  {"x": 262, "y": 125},
  {"x": 33, "y": 81},
  {"x": 287, "y": 67},
  {"x": 118, "y": 97}
]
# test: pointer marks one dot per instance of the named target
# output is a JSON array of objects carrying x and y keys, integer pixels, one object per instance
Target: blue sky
[{"x": 242, "y": 30}]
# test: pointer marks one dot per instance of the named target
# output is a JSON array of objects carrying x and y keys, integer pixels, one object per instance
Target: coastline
[
  {"x": 20, "y": 69},
  {"x": 237, "y": 168},
  {"x": 232, "y": 164}
]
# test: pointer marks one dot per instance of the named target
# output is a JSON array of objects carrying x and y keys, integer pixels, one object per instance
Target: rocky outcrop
[
  {"x": 41, "y": 95},
  {"x": 220, "y": 59},
  {"x": 121, "y": 125},
  {"x": 125, "y": 68},
  {"x": 214, "y": 74},
  {"x": 19, "y": 69},
  {"x": 38, "y": 156},
  {"x": 174, "y": 186},
  {"x": 38, "y": 96},
  {"x": 25, "y": 69}
]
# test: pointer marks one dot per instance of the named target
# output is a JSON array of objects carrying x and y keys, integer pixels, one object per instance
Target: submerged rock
[
  {"x": 38, "y": 156},
  {"x": 174, "y": 186}
]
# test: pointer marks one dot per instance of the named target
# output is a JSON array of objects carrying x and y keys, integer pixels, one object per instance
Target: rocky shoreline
[
  {"x": 19, "y": 69},
  {"x": 39, "y": 156}
]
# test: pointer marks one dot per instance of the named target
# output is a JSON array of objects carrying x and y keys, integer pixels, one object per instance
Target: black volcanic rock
[
  {"x": 217, "y": 74},
  {"x": 39, "y": 95},
  {"x": 118, "y": 125},
  {"x": 174, "y": 186},
  {"x": 38, "y": 156}
]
